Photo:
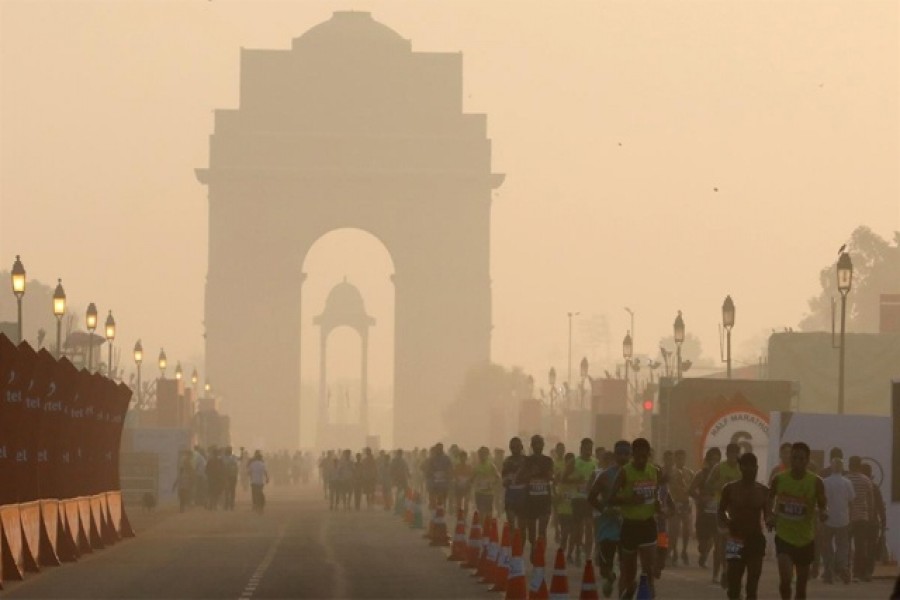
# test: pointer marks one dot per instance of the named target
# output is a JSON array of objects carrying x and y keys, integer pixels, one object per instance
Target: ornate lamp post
[
  {"x": 627, "y": 353},
  {"x": 90, "y": 319},
  {"x": 110, "y": 328},
  {"x": 18, "y": 288},
  {"x": 727, "y": 323},
  {"x": 845, "y": 282},
  {"x": 163, "y": 362},
  {"x": 678, "y": 328},
  {"x": 194, "y": 378},
  {"x": 178, "y": 372},
  {"x": 584, "y": 378},
  {"x": 59, "y": 310},
  {"x": 138, "y": 359}
]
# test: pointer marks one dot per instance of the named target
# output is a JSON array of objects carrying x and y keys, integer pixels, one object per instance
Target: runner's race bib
[
  {"x": 439, "y": 477},
  {"x": 791, "y": 507},
  {"x": 711, "y": 507},
  {"x": 539, "y": 487},
  {"x": 646, "y": 491},
  {"x": 734, "y": 548},
  {"x": 483, "y": 486}
]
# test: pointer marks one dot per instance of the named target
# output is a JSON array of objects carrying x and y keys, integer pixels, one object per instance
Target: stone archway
[{"x": 348, "y": 128}]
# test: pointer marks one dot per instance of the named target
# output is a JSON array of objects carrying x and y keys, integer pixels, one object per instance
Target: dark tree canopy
[{"x": 876, "y": 271}]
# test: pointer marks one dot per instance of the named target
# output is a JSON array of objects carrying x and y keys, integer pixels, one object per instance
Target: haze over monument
[{"x": 722, "y": 146}]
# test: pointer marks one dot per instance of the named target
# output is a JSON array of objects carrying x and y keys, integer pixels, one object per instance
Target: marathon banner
[{"x": 60, "y": 429}]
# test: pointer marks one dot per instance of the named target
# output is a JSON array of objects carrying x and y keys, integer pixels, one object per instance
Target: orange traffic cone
[
  {"x": 459, "y": 549},
  {"x": 515, "y": 581},
  {"x": 473, "y": 546},
  {"x": 493, "y": 551},
  {"x": 439, "y": 535},
  {"x": 588, "y": 582},
  {"x": 559, "y": 585},
  {"x": 501, "y": 571},
  {"x": 537, "y": 584}
]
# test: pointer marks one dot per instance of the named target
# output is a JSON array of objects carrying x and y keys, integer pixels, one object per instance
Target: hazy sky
[{"x": 615, "y": 122}]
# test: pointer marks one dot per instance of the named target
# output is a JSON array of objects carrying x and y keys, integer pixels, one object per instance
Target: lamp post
[
  {"x": 679, "y": 339},
  {"x": 584, "y": 377},
  {"x": 845, "y": 282},
  {"x": 627, "y": 353},
  {"x": 18, "y": 288},
  {"x": 551, "y": 379},
  {"x": 163, "y": 362},
  {"x": 727, "y": 323},
  {"x": 59, "y": 310},
  {"x": 178, "y": 372},
  {"x": 110, "y": 328},
  {"x": 90, "y": 319},
  {"x": 631, "y": 313},
  {"x": 194, "y": 378},
  {"x": 138, "y": 359},
  {"x": 569, "y": 374},
  {"x": 206, "y": 389}
]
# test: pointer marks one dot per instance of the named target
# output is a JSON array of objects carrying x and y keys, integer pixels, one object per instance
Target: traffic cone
[
  {"x": 588, "y": 582},
  {"x": 515, "y": 581},
  {"x": 559, "y": 585},
  {"x": 643, "y": 589},
  {"x": 493, "y": 551},
  {"x": 459, "y": 549},
  {"x": 439, "y": 535},
  {"x": 537, "y": 584},
  {"x": 501, "y": 571},
  {"x": 473, "y": 546}
]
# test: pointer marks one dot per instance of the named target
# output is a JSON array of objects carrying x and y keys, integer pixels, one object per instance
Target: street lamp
[
  {"x": 679, "y": 339},
  {"x": 584, "y": 377},
  {"x": 59, "y": 309},
  {"x": 727, "y": 323},
  {"x": 551, "y": 379},
  {"x": 138, "y": 359},
  {"x": 206, "y": 388},
  {"x": 178, "y": 372},
  {"x": 845, "y": 282},
  {"x": 110, "y": 336},
  {"x": 18, "y": 288},
  {"x": 162, "y": 363},
  {"x": 627, "y": 353},
  {"x": 631, "y": 312},
  {"x": 194, "y": 378},
  {"x": 90, "y": 319}
]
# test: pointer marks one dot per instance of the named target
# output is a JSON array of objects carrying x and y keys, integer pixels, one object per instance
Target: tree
[
  {"x": 691, "y": 349},
  {"x": 876, "y": 271}
]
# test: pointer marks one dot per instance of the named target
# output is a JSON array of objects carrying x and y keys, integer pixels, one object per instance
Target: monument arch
[{"x": 348, "y": 128}]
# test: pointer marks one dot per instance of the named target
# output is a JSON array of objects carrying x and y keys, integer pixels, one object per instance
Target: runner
[
  {"x": 743, "y": 509},
  {"x": 679, "y": 477},
  {"x": 795, "y": 495},
  {"x": 563, "y": 507},
  {"x": 438, "y": 473},
  {"x": 537, "y": 475},
  {"x": 582, "y": 521},
  {"x": 721, "y": 475},
  {"x": 559, "y": 463},
  {"x": 705, "y": 501},
  {"x": 484, "y": 480},
  {"x": 609, "y": 523},
  {"x": 514, "y": 496},
  {"x": 462, "y": 481},
  {"x": 636, "y": 491}
]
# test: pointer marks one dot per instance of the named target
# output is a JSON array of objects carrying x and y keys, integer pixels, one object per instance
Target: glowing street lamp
[
  {"x": 59, "y": 310},
  {"x": 178, "y": 372},
  {"x": 194, "y": 378},
  {"x": 163, "y": 362},
  {"x": 110, "y": 327},
  {"x": 18, "y": 288},
  {"x": 678, "y": 331},
  {"x": 90, "y": 319}
]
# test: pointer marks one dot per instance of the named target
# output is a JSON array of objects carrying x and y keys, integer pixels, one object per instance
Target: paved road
[{"x": 299, "y": 549}]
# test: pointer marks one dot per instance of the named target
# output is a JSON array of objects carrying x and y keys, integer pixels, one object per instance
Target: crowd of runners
[{"x": 634, "y": 511}]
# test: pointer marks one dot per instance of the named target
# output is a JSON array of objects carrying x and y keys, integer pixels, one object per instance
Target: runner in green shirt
[{"x": 795, "y": 496}]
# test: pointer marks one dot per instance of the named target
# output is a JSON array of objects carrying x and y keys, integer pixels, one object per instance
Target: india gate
[{"x": 349, "y": 128}]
